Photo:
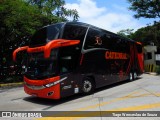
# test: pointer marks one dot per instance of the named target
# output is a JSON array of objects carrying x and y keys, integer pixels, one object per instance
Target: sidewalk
[
  {"x": 151, "y": 73},
  {"x": 5, "y": 85}
]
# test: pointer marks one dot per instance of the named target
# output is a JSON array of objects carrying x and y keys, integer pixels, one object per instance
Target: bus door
[{"x": 67, "y": 64}]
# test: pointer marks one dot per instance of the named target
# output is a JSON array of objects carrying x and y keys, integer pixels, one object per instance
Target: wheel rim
[
  {"x": 130, "y": 76},
  {"x": 135, "y": 75},
  {"x": 87, "y": 86}
]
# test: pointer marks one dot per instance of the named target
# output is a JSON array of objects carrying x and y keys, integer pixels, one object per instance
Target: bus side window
[
  {"x": 65, "y": 64},
  {"x": 96, "y": 38},
  {"x": 73, "y": 32},
  {"x": 68, "y": 59},
  {"x": 119, "y": 44},
  {"x": 139, "y": 48},
  {"x": 109, "y": 41}
]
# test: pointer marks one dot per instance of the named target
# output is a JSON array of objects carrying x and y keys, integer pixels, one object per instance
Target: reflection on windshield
[
  {"x": 39, "y": 68},
  {"x": 46, "y": 34}
]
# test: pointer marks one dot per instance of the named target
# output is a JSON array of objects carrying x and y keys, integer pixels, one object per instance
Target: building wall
[{"x": 150, "y": 58}]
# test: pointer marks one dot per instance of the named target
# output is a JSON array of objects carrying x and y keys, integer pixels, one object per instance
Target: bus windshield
[
  {"x": 45, "y": 35},
  {"x": 39, "y": 67}
]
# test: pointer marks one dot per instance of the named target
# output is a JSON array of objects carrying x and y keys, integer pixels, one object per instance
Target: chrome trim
[
  {"x": 84, "y": 39},
  {"x": 35, "y": 87},
  {"x": 93, "y": 49},
  {"x": 54, "y": 83}
]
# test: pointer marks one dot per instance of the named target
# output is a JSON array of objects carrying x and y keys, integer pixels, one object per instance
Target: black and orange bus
[{"x": 73, "y": 57}]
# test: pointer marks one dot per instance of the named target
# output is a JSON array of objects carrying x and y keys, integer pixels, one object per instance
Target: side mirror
[
  {"x": 18, "y": 50},
  {"x": 58, "y": 43}
]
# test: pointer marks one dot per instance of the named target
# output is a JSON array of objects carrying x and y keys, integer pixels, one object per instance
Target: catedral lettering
[
  {"x": 64, "y": 59},
  {"x": 115, "y": 55}
]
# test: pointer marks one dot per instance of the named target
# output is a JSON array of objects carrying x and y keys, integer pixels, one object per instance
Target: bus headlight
[
  {"x": 54, "y": 83},
  {"x": 49, "y": 85}
]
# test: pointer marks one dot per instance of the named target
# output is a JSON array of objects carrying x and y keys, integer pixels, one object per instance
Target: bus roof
[{"x": 89, "y": 25}]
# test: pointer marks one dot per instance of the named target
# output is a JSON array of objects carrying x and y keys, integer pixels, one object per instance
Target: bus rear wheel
[
  {"x": 135, "y": 75},
  {"x": 131, "y": 76},
  {"x": 88, "y": 86}
]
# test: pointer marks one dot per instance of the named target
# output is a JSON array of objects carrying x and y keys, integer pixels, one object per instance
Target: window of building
[{"x": 149, "y": 56}]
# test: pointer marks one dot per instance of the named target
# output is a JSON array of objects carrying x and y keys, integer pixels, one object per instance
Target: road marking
[
  {"x": 157, "y": 94},
  {"x": 139, "y": 107},
  {"x": 131, "y": 108},
  {"x": 134, "y": 94},
  {"x": 113, "y": 100},
  {"x": 130, "y": 95}
]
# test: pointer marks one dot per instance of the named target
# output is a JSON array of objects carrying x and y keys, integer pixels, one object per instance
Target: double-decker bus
[{"x": 73, "y": 57}]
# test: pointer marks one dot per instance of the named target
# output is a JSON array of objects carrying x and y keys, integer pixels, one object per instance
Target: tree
[
  {"x": 148, "y": 34},
  {"x": 145, "y": 8},
  {"x": 21, "y": 18},
  {"x": 55, "y": 9},
  {"x": 18, "y": 22},
  {"x": 126, "y": 33}
]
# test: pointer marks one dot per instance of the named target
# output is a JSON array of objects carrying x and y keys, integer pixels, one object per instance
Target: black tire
[{"x": 88, "y": 86}]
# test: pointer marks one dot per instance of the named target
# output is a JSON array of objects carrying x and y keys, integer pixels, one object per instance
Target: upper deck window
[
  {"x": 46, "y": 34},
  {"x": 98, "y": 38},
  {"x": 139, "y": 48},
  {"x": 74, "y": 32}
]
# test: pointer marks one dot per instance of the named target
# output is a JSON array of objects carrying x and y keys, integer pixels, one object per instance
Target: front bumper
[{"x": 37, "y": 88}]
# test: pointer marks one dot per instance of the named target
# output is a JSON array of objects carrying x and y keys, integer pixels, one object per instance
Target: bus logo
[{"x": 98, "y": 40}]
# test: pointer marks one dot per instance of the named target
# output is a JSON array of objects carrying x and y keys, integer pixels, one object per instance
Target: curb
[
  {"x": 11, "y": 84},
  {"x": 151, "y": 73}
]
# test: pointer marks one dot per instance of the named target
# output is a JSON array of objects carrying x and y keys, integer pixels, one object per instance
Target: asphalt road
[{"x": 142, "y": 94}]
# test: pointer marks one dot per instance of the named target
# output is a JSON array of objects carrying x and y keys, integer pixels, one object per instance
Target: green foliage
[
  {"x": 145, "y": 8},
  {"x": 148, "y": 34},
  {"x": 158, "y": 69},
  {"x": 21, "y": 18},
  {"x": 126, "y": 32},
  {"x": 18, "y": 21},
  {"x": 55, "y": 9}
]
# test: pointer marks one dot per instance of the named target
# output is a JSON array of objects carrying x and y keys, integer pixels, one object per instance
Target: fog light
[{"x": 50, "y": 93}]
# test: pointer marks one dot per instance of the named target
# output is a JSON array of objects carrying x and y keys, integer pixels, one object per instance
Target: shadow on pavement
[{"x": 52, "y": 103}]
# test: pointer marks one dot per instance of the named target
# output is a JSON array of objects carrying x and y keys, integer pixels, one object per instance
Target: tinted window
[
  {"x": 74, "y": 32},
  {"x": 46, "y": 34},
  {"x": 116, "y": 43},
  {"x": 139, "y": 48},
  {"x": 96, "y": 38},
  {"x": 149, "y": 55},
  {"x": 39, "y": 37},
  {"x": 38, "y": 67},
  {"x": 68, "y": 59}
]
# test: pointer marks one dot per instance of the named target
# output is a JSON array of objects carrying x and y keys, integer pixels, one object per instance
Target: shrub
[{"x": 158, "y": 69}]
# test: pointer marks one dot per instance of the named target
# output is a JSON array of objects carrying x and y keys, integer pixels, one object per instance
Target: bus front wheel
[{"x": 88, "y": 86}]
